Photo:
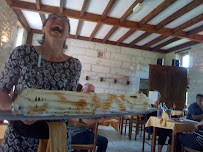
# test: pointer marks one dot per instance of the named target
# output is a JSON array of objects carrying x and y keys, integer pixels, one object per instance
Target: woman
[{"x": 42, "y": 67}]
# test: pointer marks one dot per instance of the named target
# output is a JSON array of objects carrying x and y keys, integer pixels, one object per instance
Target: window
[{"x": 185, "y": 61}]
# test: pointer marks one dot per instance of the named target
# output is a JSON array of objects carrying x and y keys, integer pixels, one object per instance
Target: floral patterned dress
[{"x": 21, "y": 70}]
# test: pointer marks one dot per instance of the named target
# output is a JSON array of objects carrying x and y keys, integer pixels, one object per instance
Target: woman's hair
[{"x": 43, "y": 37}]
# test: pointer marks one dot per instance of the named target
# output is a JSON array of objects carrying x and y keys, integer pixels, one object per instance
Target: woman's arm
[{"x": 5, "y": 101}]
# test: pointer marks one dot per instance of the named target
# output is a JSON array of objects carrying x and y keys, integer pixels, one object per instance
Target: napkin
[
  {"x": 57, "y": 141},
  {"x": 164, "y": 119}
]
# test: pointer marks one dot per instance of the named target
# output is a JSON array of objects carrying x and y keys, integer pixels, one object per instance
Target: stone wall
[
  {"x": 8, "y": 30},
  {"x": 110, "y": 62},
  {"x": 195, "y": 72}
]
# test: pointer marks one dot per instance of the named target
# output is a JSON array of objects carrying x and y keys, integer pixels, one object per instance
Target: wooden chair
[
  {"x": 3, "y": 127},
  {"x": 127, "y": 121},
  {"x": 188, "y": 149},
  {"x": 91, "y": 147}
]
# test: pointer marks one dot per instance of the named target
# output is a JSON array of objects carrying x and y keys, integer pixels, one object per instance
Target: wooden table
[{"x": 177, "y": 127}]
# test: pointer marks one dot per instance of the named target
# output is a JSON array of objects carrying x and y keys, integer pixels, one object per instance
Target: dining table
[{"x": 176, "y": 125}]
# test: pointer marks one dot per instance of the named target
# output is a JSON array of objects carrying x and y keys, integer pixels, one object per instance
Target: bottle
[{"x": 174, "y": 106}]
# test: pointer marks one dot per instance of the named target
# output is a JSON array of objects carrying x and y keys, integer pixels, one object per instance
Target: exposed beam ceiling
[
  {"x": 109, "y": 21},
  {"x": 119, "y": 25},
  {"x": 179, "y": 13},
  {"x": 188, "y": 44},
  {"x": 156, "y": 11},
  {"x": 189, "y": 23},
  {"x": 165, "y": 43},
  {"x": 22, "y": 20}
]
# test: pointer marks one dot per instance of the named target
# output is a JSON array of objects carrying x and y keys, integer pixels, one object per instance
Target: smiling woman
[
  {"x": 41, "y": 67},
  {"x": 56, "y": 28}
]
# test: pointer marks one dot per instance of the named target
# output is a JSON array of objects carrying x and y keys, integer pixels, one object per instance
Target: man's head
[
  {"x": 199, "y": 98},
  {"x": 88, "y": 87},
  {"x": 79, "y": 87}
]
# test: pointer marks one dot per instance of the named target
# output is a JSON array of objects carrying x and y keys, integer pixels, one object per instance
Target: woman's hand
[
  {"x": 200, "y": 124},
  {"x": 29, "y": 122}
]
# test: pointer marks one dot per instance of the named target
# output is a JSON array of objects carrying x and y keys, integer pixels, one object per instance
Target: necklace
[{"x": 39, "y": 63}]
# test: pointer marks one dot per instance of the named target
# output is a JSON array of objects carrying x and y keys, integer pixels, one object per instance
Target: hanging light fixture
[{"x": 138, "y": 7}]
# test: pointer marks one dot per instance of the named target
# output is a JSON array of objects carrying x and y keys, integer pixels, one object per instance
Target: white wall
[{"x": 110, "y": 62}]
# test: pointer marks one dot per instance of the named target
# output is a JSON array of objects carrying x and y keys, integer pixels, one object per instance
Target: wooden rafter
[
  {"x": 109, "y": 21},
  {"x": 195, "y": 31},
  {"x": 104, "y": 15},
  {"x": 165, "y": 43},
  {"x": 129, "y": 11},
  {"x": 179, "y": 13},
  {"x": 22, "y": 20},
  {"x": 61, "y": 6},
  {"x": 189, "y": 23},
  {"x": 125, "y": 36},
  {"x": 94, "y": 31},
  {"x": 143, "y": 36},
  {"x": 84, "y": 7},
  {"x": 113, "y": 29},
  {"x": 42, "y": 16},
  {"x": 30, "y": 37},
  {"x": 101, "y": 41},
  {"x": 38, "y": 4},
  {"x": 154, "y": 41},
  {"x": 188, "y": 44},
  {"x": 78, "y": 28},
  {"x": 107, "y": 9},
  {"x": 156, "y": 11}
]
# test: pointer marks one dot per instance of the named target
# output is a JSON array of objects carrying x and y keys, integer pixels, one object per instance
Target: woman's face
[{"x": 57, "y": 26}]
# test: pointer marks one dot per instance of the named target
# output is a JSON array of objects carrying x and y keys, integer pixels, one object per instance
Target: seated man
[
  {"x": 85, "y": 136},
  {"x": 195, "y": 110},
  {"x": 192, "y": 140}
]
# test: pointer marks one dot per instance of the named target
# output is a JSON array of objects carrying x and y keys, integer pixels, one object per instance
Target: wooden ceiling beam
[
  {"x": 195, "y": 31},
  {"x": 22, "y": 20},
  {"x": 189, "y": 23},
  {"x": 131, "y": 31},
  {"x": 129, "y": 11},
  {"x": 154, "y": 41},
  {"x": 156, "y": 11},
  {"x": 84, "y": 7},
  {"x": 99, "y": 41},
  {"x": 78, "y": 28},
  {"x": 188, "y": 44},
  {"x": 38, "y": 4},
  {"x": 103, "y": 17},
  {"x": 42, "y": 16},
  {"x": 165, "y": 43},
  {"x": 62, "y": 3},
  {"x": 179, "y": 13},
  {"x": 113, "y": 29},
  {"x": 109, "y": 20},
  {"x": 143, "y": 36},
  {"x": 80, "y": 23},
  {"x": 94, "y": 31},
  {"x": 107, "y": 9}
]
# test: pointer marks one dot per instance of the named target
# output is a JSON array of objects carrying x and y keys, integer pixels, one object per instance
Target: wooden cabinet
[{"x": 171, "y": 82}]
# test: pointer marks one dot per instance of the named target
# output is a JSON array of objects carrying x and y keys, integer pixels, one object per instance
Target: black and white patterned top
[{"x": 21, "y": 71}]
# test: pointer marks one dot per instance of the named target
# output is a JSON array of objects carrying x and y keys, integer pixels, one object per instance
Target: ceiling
[{"x": 161, "y": 25}]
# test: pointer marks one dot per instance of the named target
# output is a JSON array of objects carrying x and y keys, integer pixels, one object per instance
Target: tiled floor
[{"x": 121, "y": 143}]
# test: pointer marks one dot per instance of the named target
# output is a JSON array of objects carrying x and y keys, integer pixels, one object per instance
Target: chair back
[
  {"x": 91, "y": 147},
  {"x": 3, "y": 128}
]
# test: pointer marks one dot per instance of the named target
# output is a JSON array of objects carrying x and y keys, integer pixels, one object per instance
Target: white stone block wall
[
  {"x": 110, "y": 62},
  {"x": 8, "y": 28},
  {"x": 195, "y": 72}
]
